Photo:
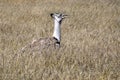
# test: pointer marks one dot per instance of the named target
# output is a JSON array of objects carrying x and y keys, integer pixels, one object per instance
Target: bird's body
[{"x": 42, "y": 43}]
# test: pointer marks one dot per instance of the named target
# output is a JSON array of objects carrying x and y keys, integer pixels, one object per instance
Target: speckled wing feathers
[{"x": 40, "y": 44}]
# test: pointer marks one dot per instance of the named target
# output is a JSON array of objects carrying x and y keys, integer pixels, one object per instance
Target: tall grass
[{"x": 90, "y": 47}]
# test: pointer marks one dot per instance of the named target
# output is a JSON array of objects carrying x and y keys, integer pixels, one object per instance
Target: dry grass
[{"x": 90, "y": 40}]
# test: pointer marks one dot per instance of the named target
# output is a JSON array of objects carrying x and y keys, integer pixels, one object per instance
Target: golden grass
[{"x": 90, "y": 40}]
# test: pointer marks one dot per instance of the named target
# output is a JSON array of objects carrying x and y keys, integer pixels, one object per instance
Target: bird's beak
[{"x": 65, "y": 15}]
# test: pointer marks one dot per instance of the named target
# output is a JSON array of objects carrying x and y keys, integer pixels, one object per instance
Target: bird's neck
[{"x": 57, "y": 30}]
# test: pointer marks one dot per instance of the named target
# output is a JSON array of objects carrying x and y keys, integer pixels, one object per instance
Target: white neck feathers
[{"x": 57, "y": 31}]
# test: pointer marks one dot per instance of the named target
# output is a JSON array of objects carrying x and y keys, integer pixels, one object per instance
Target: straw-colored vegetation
[{"x": 90, "y": 47}]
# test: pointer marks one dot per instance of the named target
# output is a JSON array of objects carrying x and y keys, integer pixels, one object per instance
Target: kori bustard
[{"x": 48, "y": 42}]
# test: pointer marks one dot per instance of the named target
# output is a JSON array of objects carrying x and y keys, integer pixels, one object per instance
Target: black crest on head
[{"x": 52, "y": 15}]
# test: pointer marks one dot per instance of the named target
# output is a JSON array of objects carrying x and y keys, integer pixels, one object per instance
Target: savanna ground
[{"x": 90, "y": 47}]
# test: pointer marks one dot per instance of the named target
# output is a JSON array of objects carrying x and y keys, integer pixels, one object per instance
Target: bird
[{"x": 49, "y": 42}]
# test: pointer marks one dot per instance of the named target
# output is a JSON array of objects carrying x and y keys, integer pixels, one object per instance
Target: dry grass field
[{"x": 90, "y": 47}]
